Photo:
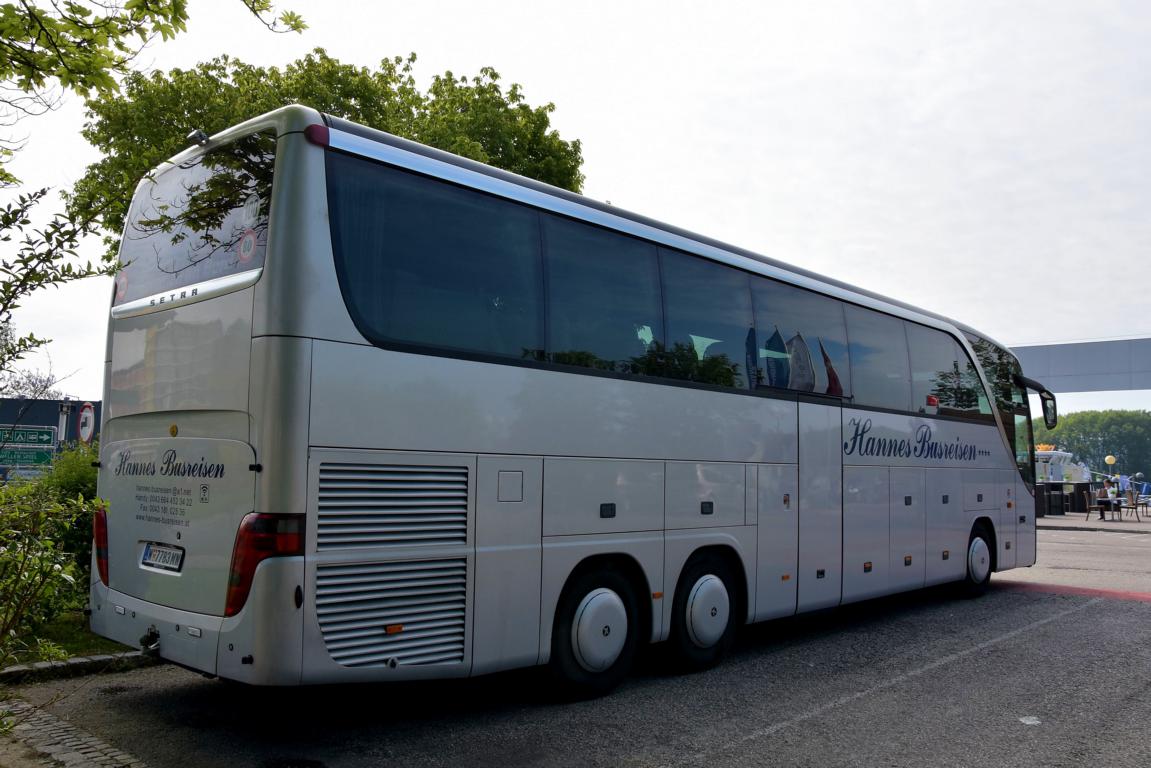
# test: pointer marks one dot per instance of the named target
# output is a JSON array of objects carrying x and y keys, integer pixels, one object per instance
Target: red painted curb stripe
[{"x": 1060, "y": 589}]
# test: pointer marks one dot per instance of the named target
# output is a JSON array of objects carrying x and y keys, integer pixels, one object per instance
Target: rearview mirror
[{"x": 1050, "y": 415}]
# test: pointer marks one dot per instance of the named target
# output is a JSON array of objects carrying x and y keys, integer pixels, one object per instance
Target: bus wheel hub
[
  {"x": 599, "y": 630},
  {"x": 708, "y": 610}
]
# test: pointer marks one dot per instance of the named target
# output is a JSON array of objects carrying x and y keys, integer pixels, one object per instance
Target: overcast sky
[{"x": 986, "y": 160}]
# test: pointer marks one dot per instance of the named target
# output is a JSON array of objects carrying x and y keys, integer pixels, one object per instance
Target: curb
[
  {"x": 1089, "y": 528},
  {"x": 76, "y": 666}
]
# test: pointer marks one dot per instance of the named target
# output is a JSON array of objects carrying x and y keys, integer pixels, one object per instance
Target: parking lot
[{"x": 1051, "y": 667}]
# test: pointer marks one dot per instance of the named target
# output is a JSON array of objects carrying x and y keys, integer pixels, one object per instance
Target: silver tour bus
[{"x": 376, "y": 412}]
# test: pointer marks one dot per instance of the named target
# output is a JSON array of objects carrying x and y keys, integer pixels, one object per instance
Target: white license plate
[{"x": 163, "y": 557}]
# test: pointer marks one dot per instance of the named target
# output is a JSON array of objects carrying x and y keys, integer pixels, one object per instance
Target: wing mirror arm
[{"x": 1050, "y": 412}]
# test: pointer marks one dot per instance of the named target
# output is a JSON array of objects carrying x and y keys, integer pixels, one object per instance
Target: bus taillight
[
  {"x": 100, "y": 541},
  {"x": 260, "y": 536}
]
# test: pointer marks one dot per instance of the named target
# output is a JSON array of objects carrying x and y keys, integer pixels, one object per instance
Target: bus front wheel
[
  {"x": 703, "y": 613},
  {"x": 595, "y": 635}
]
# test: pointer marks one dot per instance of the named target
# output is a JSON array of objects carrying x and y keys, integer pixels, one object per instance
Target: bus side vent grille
[
  {"x": 374, "y": 505},
  {"x": 390, "y": 614}
]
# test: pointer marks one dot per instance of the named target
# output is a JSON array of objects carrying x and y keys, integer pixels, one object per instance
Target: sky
[{"x": 985, "y": 160}]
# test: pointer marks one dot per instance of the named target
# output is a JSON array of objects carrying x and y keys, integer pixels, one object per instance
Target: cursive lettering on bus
[
  {"x": 924, "y": 445},
  {"x": 134, "y": 468},
  {"x": 171, "y": 466}
]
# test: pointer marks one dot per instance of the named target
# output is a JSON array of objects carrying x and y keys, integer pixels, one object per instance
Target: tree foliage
[
  {"x": 471, "y": 116},
  {"x": 1092, "y": 435},
  {"x": 83, "y": 46},
  {"x": 47, "y": 49}
]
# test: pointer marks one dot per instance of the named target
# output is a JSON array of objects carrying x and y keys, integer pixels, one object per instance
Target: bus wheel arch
[
  {"x": 600, "y": 620},
  {"x": 981, "y": 560},
  {"x": 709, "y": 605}
]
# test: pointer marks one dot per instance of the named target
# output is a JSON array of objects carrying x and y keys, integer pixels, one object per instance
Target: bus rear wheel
[
  {"x": 704, "y": 613},
  {"x": 595, "y": 635},
  {"x": 979, "y": 561}
]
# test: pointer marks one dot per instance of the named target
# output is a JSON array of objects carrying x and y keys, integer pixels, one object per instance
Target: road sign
[
  {"x": 87, "y": 422},
  {"x": 29, "y": 436},
  {"x": 16, "y": 456}
]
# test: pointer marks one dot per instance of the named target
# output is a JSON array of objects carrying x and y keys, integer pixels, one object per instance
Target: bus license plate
[{"x": 163, "y": 557}]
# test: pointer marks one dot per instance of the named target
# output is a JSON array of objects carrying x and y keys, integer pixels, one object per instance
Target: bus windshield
[{"x": 199, "y": 220}]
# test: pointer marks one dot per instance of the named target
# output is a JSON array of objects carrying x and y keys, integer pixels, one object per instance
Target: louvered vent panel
[
  {"x": 372, "y": 505},
  {"x": 423, "y": 603}
]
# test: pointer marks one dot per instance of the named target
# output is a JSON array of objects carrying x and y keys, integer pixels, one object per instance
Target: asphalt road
[{"x": 1026, "y": 675}]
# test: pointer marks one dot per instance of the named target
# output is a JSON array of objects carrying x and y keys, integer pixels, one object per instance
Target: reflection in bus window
[
  {"x": 709, "y": 324},
  {"x": 802, "y": 343},
  {"x": 603, "y": 296},
  {"x": 199, "y": 220},
  {"x": 880, "y": 374}
]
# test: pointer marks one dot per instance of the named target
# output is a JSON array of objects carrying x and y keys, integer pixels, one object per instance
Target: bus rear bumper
[
  {"x": 188, "y": 639},
  {"x": 261, "y": 645}
]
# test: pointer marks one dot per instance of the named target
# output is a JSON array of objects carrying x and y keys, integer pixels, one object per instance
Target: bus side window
[
  {"x": 604, "y": 308},
  {"x": 880, "y": 372},
  {"x": 802, "y": 341},
  {"x": 709, "y": 322},
  {"x": 429, "y": 264}
]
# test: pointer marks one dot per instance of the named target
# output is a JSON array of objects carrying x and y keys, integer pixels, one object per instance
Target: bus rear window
[{"x": 203, "y": 219}]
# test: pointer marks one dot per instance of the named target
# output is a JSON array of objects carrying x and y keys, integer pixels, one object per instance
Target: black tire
[
  {"x": 979, "y": 572},
  {"x": 574, "y": 680},
  {"x": 685, "y": 652}
]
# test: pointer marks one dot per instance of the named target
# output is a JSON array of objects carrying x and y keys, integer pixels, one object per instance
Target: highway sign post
[{"x": 27, "y": 446}]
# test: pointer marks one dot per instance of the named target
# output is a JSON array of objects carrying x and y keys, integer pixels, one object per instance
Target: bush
[
  {"x": 37, "y": 573},
  {"x": 73, "y": 477}
]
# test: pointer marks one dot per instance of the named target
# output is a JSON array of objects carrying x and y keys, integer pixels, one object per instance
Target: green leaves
[
  {"x": 37, "y": 575},
  {"x": 1092, "y": 435},
  {"x": 471, "y": 116}
]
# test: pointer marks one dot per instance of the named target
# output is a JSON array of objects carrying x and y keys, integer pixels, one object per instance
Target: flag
[
  {"x": 776, "y": 361},
  {"x": 802, "y": 371},
  {"x": 833, "y": 385}
]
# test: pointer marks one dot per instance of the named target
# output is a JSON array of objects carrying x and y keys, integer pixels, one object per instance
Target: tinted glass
[
  {"x": 880, "y": 374},
  {"x": 425, "y": 263},
  {"x": 710, "y": 337},
  {"x": 603, "y": 297},
  {"x": 801, "y": 340},
  {"x": 203, "y": 219},
  {"x": 936, "y": 372}
]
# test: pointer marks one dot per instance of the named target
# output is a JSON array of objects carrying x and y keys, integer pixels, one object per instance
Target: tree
[
  {"x": 1093, "y": 435},
  {"x": 470, "y": 116},
  {"x": 46, "y": 50},
  {"x": 84, "y": 45}
]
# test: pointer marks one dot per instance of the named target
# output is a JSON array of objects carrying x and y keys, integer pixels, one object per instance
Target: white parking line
[{"x": 703, "y": 758}]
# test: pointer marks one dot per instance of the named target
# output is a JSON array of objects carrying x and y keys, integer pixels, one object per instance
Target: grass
[{"x": 70, "y": 631}]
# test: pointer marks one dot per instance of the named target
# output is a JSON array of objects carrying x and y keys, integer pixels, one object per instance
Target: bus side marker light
[
  {"x": 1010, "y": 504},
  {"x": 946, "y": 555},
  {"x": 394, "y": 629},
  {"x": 657, "y": 595},
  {"x": 173, "y": 430},
  {"x": 867, "y": 567},
  {"x": 819, "y": 574},
  {"x": 906, "y": 560},
  {"x": 785, "y": 577}
]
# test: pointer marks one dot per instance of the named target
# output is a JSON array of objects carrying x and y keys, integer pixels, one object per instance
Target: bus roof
[{"x": 414, "y": 147}]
